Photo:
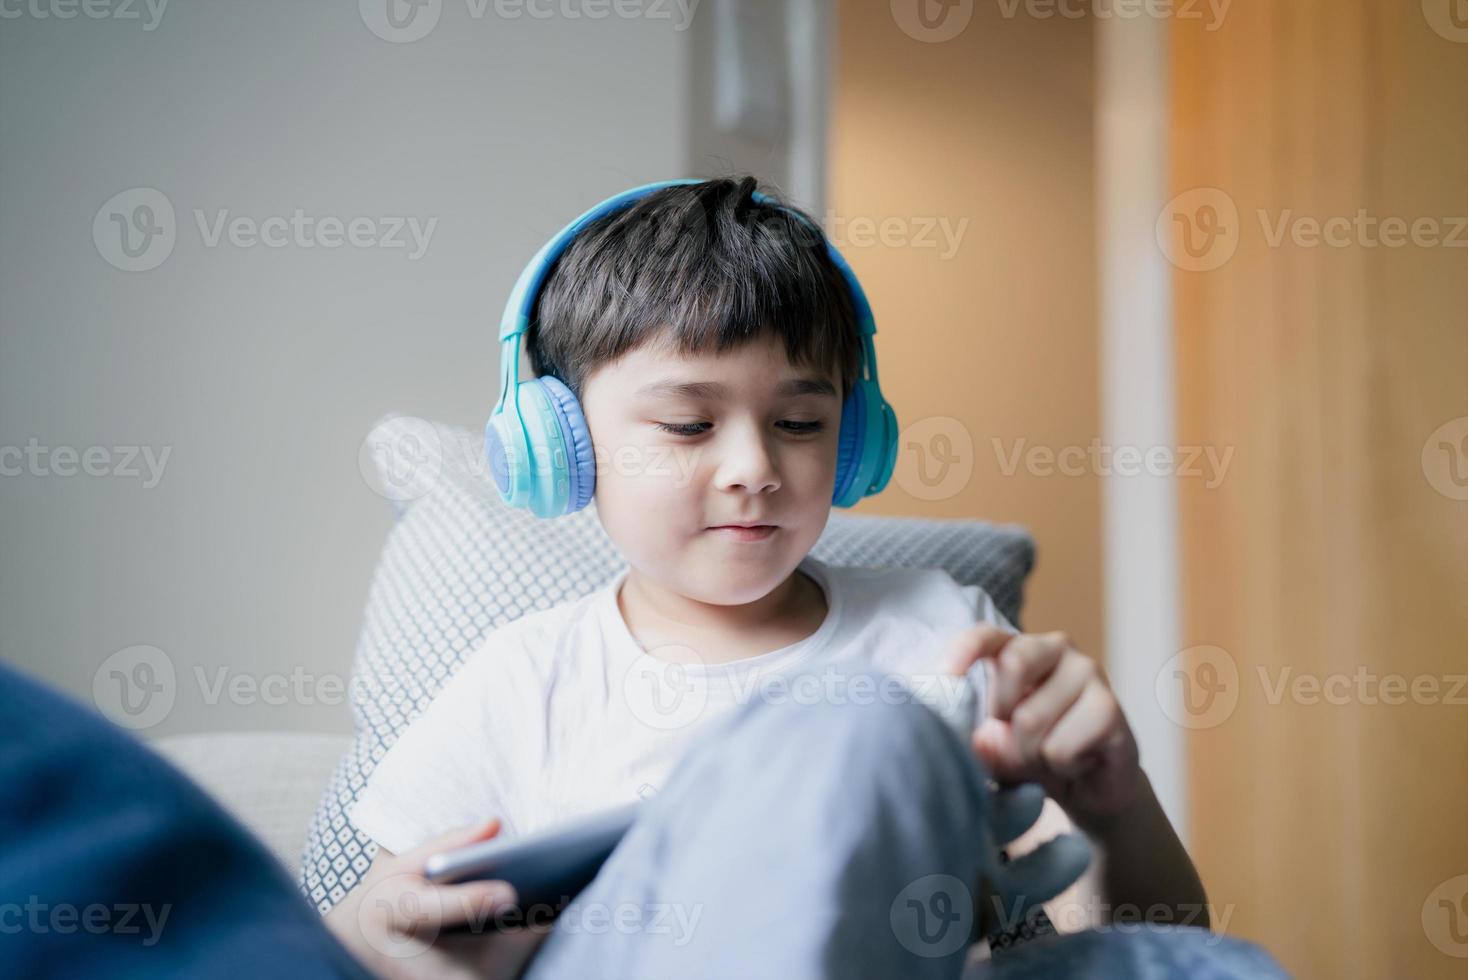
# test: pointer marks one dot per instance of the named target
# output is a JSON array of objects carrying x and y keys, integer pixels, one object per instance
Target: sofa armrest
[{"x": 268, "y": 781}]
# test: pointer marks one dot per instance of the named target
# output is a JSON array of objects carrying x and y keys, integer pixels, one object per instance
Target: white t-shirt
[{"x": 561, "y": 712}]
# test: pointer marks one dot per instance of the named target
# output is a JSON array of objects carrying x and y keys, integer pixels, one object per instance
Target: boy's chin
[{"x": 737, "y": 584}]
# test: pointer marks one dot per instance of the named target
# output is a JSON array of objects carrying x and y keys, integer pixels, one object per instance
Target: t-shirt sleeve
[{"x": 453, "y": 766}]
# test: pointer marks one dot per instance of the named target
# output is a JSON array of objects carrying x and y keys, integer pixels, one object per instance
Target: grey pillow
[{"x": 459, "y": 563}]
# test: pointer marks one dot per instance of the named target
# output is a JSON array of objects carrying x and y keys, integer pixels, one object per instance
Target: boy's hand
[
  {"x": 400, "y": 925},
  {"x": 1051, "y": 718}
]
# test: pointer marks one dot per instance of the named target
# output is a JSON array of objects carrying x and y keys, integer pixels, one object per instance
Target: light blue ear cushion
[
  {"x": 499, "y": 461},
  {"x": 580, "y": 460}
]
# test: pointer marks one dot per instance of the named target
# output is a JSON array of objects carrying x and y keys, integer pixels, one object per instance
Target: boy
[{"x": 703, "y": 324}]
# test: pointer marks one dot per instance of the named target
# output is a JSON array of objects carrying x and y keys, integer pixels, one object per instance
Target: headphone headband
[{"x": 521, "y": 303}]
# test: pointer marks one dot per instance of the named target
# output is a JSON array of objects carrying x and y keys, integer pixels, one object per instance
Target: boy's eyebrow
[{"x": 714, "y": 390}]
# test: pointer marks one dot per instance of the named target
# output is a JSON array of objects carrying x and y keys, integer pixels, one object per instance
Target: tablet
[{"x": 547, "y": 867}]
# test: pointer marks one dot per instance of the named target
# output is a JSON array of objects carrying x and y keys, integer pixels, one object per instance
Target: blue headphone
[{"x": 543, "y": 421}]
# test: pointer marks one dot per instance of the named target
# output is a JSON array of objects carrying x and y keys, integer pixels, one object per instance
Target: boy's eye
[
  {"x": 698, "y": 428},
  {"x": 690, "y": 429}
]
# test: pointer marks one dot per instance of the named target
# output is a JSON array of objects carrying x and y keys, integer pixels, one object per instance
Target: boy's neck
[{"x": 657, "y": 617}]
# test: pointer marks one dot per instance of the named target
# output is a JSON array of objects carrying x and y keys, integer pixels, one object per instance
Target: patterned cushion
[{"x": 459, "y": 563}]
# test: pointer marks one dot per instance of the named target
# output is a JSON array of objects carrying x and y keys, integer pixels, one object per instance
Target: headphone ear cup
[
  {"x": 849, "y": 445},
  {"x": 867, "y": 447},
  {"x": 547, "y": 478},
  {"x": 887, "y": 446},
  {"x": 580, "y": 464}
]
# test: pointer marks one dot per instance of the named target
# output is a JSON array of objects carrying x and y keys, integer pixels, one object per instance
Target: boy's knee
[{"x": 870, "y": 710}]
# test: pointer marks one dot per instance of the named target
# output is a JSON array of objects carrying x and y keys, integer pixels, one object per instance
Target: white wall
[
  {"x": 1139, "y": 522},
  {"x": 261, "y": 369}
]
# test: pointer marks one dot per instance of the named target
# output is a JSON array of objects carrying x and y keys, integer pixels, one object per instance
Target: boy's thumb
[{"x": 996, "y": 746}]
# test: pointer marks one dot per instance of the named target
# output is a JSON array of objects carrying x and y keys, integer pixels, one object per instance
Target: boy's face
[{"x": 750, "y": 455}]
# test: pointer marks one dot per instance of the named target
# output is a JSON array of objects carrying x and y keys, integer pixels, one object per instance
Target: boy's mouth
[{"x": 745, "y": 532}]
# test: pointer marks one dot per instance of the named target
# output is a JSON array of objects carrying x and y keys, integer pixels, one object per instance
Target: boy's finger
[
  {"x": 975, "y": 643},
  {"x": 1021, "y": 666},
  {"x": 1091, "y": 718},
  {"x": 1040, "y": 710},
  {"x": 474, "y": 833},
  {"x": 474, "y": 903}
]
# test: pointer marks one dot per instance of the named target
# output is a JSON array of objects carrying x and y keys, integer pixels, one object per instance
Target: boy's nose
[{"x": 748, "y": 464}]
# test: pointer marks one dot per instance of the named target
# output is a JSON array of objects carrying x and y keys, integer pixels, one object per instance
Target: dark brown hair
[{"x": 698, "y": 268}]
